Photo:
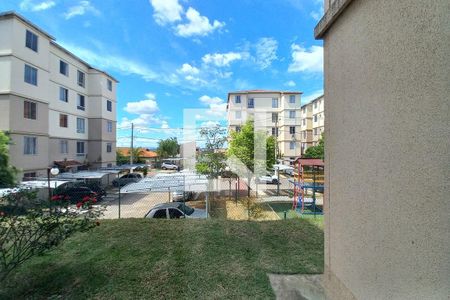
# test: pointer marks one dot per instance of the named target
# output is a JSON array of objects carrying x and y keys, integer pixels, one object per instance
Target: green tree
[
  {"x": 316, "y": 151},
  {"x": 7, "y": 172},
  {"x": 212, "y": 159},
  {"x": 168, "y": 148},
  {"x": 121, "y": 159},
  {"x": 137, "y": 155},
  {"x": 242, "y": 146}
]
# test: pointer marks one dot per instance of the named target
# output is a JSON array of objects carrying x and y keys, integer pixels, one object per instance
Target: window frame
[
  {"x": 66, "y": 68},
  {"x": 275, "y": 103},
  {"x": 81, "y": 129},
  {"x": 291, "y": 145},
  {"x": 63, "y": 146},
  {"x": 63, "y": 121},
  {"x": 109, "y": 105},
  {"x": 33, "y": 43},
  {"x": 28, "y": 111},
  {"x": 292, "y": 114},
  {"x": 108, "y": 147},
  {"x": 251, "y": 103},
  {"x": 79, "y": 106},
  {"x": 27, "y": 146},
  {"x": 292, "y": 99},
  {"x": 109, "y": 126},
  {"x": 291, "y": 129},
  {"x": 109, "y": 84},
  {"x": 65, "y": 93},
  {"x": 79, "y": 143},
  {"x": 81, "y": 78},
  {"x": 237, "y": 99},
  {"x": 30, "y": 75}
]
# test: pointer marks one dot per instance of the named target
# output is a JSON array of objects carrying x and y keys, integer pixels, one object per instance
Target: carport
[{"x": 103, "y": 177}]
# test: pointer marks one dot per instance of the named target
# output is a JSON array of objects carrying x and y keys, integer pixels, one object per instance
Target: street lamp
[{"x": 51, "y": 171}]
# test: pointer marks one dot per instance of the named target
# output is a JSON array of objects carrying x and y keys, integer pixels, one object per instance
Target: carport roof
[{"x": 168, "y": 182}]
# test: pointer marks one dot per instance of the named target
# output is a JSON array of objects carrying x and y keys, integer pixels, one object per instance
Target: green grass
[
  {"x": 280, "y": 208},
  {"x": 171, "y": 259}
]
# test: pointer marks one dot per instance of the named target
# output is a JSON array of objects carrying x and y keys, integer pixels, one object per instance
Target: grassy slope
[{"x": 158, "y": 259}]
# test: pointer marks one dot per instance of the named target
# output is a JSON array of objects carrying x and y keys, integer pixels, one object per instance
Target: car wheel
[
  {"x": 164, "y": 168},
  {"x": 274, "y": 181}
]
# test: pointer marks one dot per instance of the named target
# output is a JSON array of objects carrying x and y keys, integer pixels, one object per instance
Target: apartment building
[
  {"x": 275, "y": 112},
  {"x": 306, "y": 128},
  {"x": 318, "y": 119},
  {"x": 55, "y": 106}
]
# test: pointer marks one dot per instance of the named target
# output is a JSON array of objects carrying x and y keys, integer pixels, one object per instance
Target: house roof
[
  {"x": 310, "y": 161},
  {"x": 146, "y": 153}
]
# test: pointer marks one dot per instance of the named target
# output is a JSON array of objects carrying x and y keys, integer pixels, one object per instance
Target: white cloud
[
  {"x": 142, "y": 107},
  {"x": 166, "y": 11},
  {"x": 82, "y": 8},
  {"x": 187, "y": 69},
  {"x": 315, "y": 15},
  {"x": 266, "y": 52},
  {"x": 164, "y": 125},
  {"x": 197, "y": 25},
  {"x": 312, "y": 96},
  {"x": 150, "y": 96},
  {"x": 290, "y": 83},
  {"x": 304, "y": 60},
  {"x": 223, "y": 59},
  {"x": 210, "y": 100},
  {"x": 36, "y": 6},
  {"x": 209, "y": 124}
]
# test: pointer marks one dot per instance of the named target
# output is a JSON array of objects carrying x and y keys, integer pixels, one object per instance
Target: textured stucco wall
[{"x": 387, "y": 203}]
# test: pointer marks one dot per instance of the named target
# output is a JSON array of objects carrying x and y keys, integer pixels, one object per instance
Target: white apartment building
[
  {"x": 275, "y": 112},
  {"x": 318, "y": 118},
  {"x": 306, "y": 127},
  {"x": 56, "y": 107}
]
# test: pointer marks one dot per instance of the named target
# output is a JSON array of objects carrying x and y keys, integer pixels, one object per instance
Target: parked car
[
  {"x": 76, "y": 191},
  {"x": 169, "y": 166},
  {"x": 267, "y": 179},
  {"x": 175, "y": 210},
  {"x": 126, "y": 179},
  {"x": 183, "y": 196}
]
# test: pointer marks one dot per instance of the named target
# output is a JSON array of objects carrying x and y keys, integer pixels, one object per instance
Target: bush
[{"x": 30, "y": 226}]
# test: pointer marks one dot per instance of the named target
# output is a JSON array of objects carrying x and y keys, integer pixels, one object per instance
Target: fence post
[{"x": 119, "y": 200}]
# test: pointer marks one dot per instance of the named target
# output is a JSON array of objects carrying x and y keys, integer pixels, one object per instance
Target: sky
[{"x": 172, "y": 55}]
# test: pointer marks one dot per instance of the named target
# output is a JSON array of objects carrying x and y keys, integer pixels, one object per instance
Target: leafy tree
[
  {"x": 242, "y": 146},
  {"x": 7, "y": 172},
  {"x": 212, "y": 159},
  {"x": 121, "y": 159},
  {"x": 168, "y": 148},
  {"x": 137, "y": 155},
  {"x": 316, "y": 151}
]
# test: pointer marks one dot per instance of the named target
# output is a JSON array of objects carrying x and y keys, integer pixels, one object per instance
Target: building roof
[
  {"x": 263, "y": 92},
  {"x": 13, "y": 14},
  {"x": 146, "y": 153},
  {"x": 310, "y": 162}
]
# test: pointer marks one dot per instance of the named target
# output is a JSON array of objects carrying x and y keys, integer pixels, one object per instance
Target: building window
[
  {"x": 238, "y": 114},
  {"x": 292, "y": 99},
  {"x": 81, "y": 105},
  {"x": 292, "y": 145},
  {"x": 303, "y": 121},
  {"x": 63, "y": 68},
  {"x": 274, "y": 131},
  {"x": 29, "y": 145},
  {"x": 304, "y": 134},
  {"x": 63, "y": 146},
  {"x": 275, "y": 103},
  {"x": 30, "y": 75},
  {"x": 63, "y": 120},
  {"x": 81, "y": 125},
  {"x": 109, "y": 126},
  {"x": 315, "y": 104},
  {"x": 274, "y": 117},
  {"x": 109, "y": 84},
  {"x": 29, "y": 110},
  {"x": 292, "y": 129},
  {"x": 315, "y": 118},
  {"x": 63, "y": 94},
  {"x": 315, "y": 131},
  {"x": 81, "y": 78},
  {"x": 31, "y": 41},
  {"x": 292, "y": 114},
  {"x": 109, "y": 147},
  {"x": 237, "y": 99},
  {"x": 80, "y": 148},
  {"x": 29, "y": 176},
  {"x": 108, "y": 105},
  {"x": 238, "y": 128},
  {"x": 251, "y": 103}
]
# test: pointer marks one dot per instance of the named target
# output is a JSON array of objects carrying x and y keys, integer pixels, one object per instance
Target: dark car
[
  {"x": 95, "y": 187},
  {"x": 126, "y": 179},
  {"x": 76, "y": 192}
]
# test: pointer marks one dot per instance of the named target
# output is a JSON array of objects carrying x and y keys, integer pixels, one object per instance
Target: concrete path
[{"x": 298, "y": 287}]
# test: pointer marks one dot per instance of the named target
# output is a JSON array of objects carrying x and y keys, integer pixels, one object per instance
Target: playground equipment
[{"x": 309, "y": 177}]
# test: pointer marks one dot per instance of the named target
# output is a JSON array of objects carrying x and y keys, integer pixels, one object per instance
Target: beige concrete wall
[{"x": 387, "y": 75}]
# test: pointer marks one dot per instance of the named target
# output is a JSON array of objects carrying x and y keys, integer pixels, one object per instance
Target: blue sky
[{"x": 174, "y": 54}]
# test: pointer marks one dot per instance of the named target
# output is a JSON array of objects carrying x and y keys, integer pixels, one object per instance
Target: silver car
[
  {"x": 175, "y": 210},
  {"x": 126, "y": 179}
]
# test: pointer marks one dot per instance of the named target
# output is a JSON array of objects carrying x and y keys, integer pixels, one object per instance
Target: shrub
[{"x": 30, "y": 226}]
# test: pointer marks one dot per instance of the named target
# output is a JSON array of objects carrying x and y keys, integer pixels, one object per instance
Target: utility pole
[
  {"x": 276, "y": 138},
  {"x": 131, "y": 148}
]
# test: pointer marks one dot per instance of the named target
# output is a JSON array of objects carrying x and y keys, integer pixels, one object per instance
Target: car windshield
[{"x": 186, "y": 209}]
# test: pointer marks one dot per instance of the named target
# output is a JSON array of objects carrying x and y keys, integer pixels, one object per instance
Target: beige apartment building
[
  {"x": 275, "y": 112},
  {"x": 387, "y": 158},
  {"x": 56, "y": 107},
  {"x": 312, "y": 123}
]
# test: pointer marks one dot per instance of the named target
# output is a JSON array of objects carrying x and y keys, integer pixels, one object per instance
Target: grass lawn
[
  {"x": 281, "y": 207},
  {"x": 171, "y": 259}
]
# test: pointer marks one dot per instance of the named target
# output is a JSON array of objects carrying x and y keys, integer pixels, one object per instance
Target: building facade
[
  {"x": 56, "y": 107},
  {"x": 387, "y": 149},
  {"x": 275, "y": 112},
  {"x": 318, "y": 119}
]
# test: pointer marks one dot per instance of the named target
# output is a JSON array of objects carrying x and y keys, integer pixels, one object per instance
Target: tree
[
  {"x": 121, "y": 159},
  {"x": 242, "y": 146},
  {"x": 168, "y": 148},
  {"x": 212, "y": 159},
  {"x": 137, "y": 155},
  {"x": 316, "y": 151},
  {"x": 7, "y": 172}
]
